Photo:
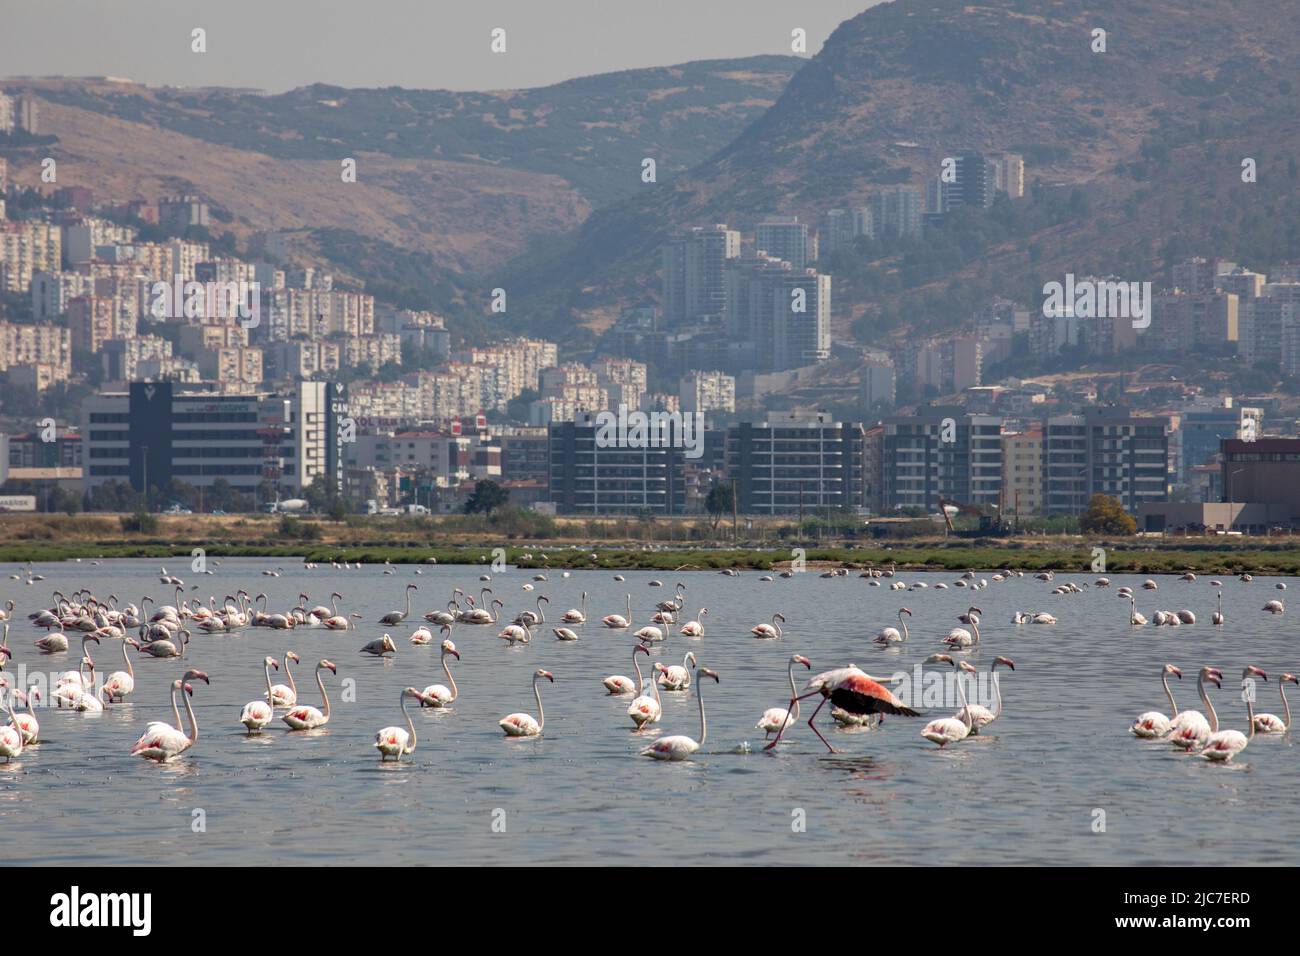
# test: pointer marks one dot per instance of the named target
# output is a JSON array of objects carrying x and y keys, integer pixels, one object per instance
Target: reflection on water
[{"x": 1026, "y": 790}]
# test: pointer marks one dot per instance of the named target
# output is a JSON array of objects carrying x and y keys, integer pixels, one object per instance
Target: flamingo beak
[{"x": 455, "y": 654}]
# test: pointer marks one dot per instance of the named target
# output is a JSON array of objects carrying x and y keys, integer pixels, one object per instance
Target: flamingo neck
[
  {"x": 325, "y": 709},
  {"x": 410, "y": 725},
  {"x": 126, "y": 657},
  {"x": 636, "y": 666},
  {"x": 903, "y": 623},
  {"x": 1164, "y": 680},
  {"x": 176, "y": 711},
  {"x": 541, "y": 714},
  {"x": 1250, "y": 718},
  {"x": 1281, "y": 688},
  {"x": 997, "y": 689},
  {"x": 288, "y": 675},
  {"x": 270, "y": 698},
  {"x": 189, "y": 712},
  {"x": 446, "y": 669},
  {"x": 699, "y": 695},
  {"x": 966, "y": 716},
  {"x": 794, "y": 695},
  {"x": 1205, "y": 699}
]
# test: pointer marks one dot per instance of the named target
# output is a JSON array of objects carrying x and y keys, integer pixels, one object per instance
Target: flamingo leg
[
  {"x": 783, "y": 726},
  {"x": 818, "y": 732}
]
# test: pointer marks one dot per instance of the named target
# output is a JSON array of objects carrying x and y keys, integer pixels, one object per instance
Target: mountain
[{"x": 1133, "y": 154}]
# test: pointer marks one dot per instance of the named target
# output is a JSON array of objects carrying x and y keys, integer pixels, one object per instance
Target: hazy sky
[{"x": 279, "y": 44}]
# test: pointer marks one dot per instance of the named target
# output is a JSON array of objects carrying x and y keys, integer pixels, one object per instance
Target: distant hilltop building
[{"x": 19, "y": 113}]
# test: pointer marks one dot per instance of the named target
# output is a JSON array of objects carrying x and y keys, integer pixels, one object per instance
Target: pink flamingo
[
  {"x": 1152, "y": 723},
  {"x": 258, "y": 713},
  {"x": 163, "y": 742},
  {"x": 679, "y": 746},
  {"x": 851, "y": 690},
  {"x": 11, "y": 736},
  {"x": 617, "y": 684},
  {"x": 436, "y": 695},
  {"x": 121, "y": 683},
  {"x": 309, "y": 718},
  {"x": 1271, "y": 723},
  {"x": 282, "y": 696},
  {"x": 947, "y": 730},
  {"x": 523, "y": 725},
  {"x": 646, "y": 710},
  {"x": 1190, "y": 728},
  {"x": 777, "y": 718},
  {"x": 1223, "y": 745},
  {"x": 395, "y": 741}
]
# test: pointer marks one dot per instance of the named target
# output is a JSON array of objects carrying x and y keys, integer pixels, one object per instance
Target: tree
[
  {"x": 1105, "y": 515},
  {"x": 487, "y": 497},
  {"x": 720, "y": 502}
]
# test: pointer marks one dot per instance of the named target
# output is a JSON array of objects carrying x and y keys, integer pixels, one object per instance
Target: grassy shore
[{"x": 44, "y": 538}]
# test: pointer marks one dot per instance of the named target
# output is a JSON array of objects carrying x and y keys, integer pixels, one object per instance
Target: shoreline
[{"x": 936, "y": 556}]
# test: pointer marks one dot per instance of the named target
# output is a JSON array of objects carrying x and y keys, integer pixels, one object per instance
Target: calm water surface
[{"x": 1026, "y": 792}]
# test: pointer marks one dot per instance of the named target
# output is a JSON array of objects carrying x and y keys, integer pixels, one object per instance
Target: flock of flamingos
[{"x": 856, "y": 698}]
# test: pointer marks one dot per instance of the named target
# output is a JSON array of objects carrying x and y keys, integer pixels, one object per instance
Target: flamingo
[
  {"x": 1270, "y": 723},
  {"x": 1152, "y": 723},
  {"x": 960, "y": 638},
  {"x": 564, "y": 634},
  {"x": 695, "y": 628},
  {"x": 380, "y": 647},
  {"x": 523, "y": 725},
  {"x": 851, "y": 690},
  {"x": 166, "y": 648},
  {"x": 1218, "y": 617},
  {"x": 1273, "y": 607},
  {"x": 534, "y": 617},
  {"x": 282, "y": 696},
  {"x": 618, "y": 622},
  {"x": 778, "y": 718},
  {"x": 678, "y": 677},
  {"x": 11, "y": 735},
  {"x": 891, "y": 635},
  {"x": 397, "y": 617},
  {"x": 679, "y": 746},
  {"x": 121, "y": 683},
  {"x": 574, "y": 616},
  {"x": 53, "y": 643},
  {"x": 436, "y": 695},
  {"x": 163, "y": 742},
  {"x": 422, "y": 635},
  {"x": 981, "y": 716},
  {"x": 1189, "y": 728},
  {"x": 769, "y": 631},
  {"x": 395, "y": 741},
  {"x": 258, "y": 713},
  {"x": 1223, "y": 745},
  {"x": 27, "y": 722},
  {"x": 516, "y": 634},
  {"x": 947, "y": 730},
  {"x": 1134, "y": 618},
  {"x": 309, "y": 718},
  {"x": 645, "y": 710},
  {"x": 618, "y": 684}
]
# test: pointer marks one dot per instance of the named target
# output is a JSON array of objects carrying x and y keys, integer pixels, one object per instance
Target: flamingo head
[
  {"x": 1005, "y": 662},
  {"x": 1171, "y": 669},
  {"x": 189, "y": 689},
  {"x": 1253, "y": 671},
  {"x": 291, "y": 656},
  {"x": 1289, "y": 677},
  {"x": 778, "y": 616},
  {"x": 4, "y": 650},
  {"x": 272, "y": 663},
  {"x": 905, "y": 610},
  {"x": 92, "y": 637},
  {"x": 938, "y": 659},
  {"x": 1213, "y": 675},
  {"x": 547, "y": 674},
  {"x": 705, "y": 672},
  {"x": 449, "y": 648},
  {"x": 966, "y": 666},
  {"x": 388, "y": 643},
  {"x": 800, "y": 659},
  {"x": 197, "y": 675},
  {"x": 328, "y": 665},
  {"x": 641, "y": 649}
]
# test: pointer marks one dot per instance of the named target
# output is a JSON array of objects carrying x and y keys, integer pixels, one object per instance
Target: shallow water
[{"x": 1026, "y": 791}]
